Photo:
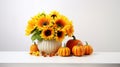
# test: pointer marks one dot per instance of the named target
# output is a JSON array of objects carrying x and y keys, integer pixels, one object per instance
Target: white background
[{"x": 95, "y": 21}]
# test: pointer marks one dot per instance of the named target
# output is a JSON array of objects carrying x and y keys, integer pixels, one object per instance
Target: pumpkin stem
[
  {"x": 64, "y": 45},
  {"x": 34, "y": 43},
  {"x": 86, "y": 42},
  {"x": 74, "y": 38}
]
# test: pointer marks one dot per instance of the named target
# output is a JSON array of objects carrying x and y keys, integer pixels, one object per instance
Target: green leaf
[
  {"x": 33, "y": 37},
  {"x": 39, "y": 37},
  {"x": 36, "y": 35}
]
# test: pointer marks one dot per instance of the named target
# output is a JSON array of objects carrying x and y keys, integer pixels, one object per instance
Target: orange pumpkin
[
  {"x": 73, "y": 42},
  {"x": 33, "y": 48},
  {"x": 78, "y": 50},
  {"x": 88, "y": 49},
  {"x": 64, "y": 51}
]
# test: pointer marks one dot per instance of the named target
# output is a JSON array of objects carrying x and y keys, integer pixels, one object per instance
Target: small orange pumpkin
[
  {"x": 73, "y": 42},
  {"x": 78, "y": 50},
  {"x": 33, "y": 48},
  {"x": 64, "y": 51},
  {"x": 88, "y": 49}
]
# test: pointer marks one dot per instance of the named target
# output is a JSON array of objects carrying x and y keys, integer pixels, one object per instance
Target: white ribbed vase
[{"x": 49, "y": 46}]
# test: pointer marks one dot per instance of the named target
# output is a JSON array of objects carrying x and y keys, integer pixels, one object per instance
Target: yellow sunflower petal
[
  {"x": 52, "y": 26},
  {"x": 47, "y": 33},
  {"x": 54, "y": 14},
  {"x": 69, "y": 29},
  {"x": 43, "y": 21},
  {"x": 61, "y": 21},
  {"x": 30, "y": 27},
  {"x": 60, "y": 35}
]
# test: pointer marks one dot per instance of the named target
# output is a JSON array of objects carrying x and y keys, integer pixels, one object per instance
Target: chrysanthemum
[
  {"x": 61, "y": 21},
  {"x": 30, "y": 27},
  {"x": 43, "y": 21},
  {"x": 54, "y": 14},
  {"x": 47, "y": 33},
  {"x": 60, "y": 35}
]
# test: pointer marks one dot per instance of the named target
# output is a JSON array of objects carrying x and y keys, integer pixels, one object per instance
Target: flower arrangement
[{"x": 52, "y": 26}]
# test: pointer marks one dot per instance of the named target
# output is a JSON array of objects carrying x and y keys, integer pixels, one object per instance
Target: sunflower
[
  {"x": 36, "y": 17},
  {"x": 69, "y": 29},
  {"x": 61, "y": 21},
  {"x": 47, "y": 33},
  {"x": 43, "y": 21},
  {"x": 60, "y": 35},
  {"x": 30, "y": 27},
  {"x": 54, "y": 14},
  {"x": 53, "y": 26}
]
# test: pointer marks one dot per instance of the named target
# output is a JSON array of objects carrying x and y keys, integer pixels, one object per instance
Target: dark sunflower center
[
  {"x": 59, "y": 33},
  {"x": 60, "y": 24},
  {"x": 53, "y": 16},
  {"x": 47, "y": 32},
  {"x": 45, "y": 23}
]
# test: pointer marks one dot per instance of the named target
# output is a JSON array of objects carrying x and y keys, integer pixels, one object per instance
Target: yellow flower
[
  {"x": 61, "y": 21},
  {"x": 47, "y": 33},
  {"x": 69, "y": 29},
  {"x": 30, "y": 27},
  {"x": 43, "y": 21},
  {"x": 54, "y": 14},
  {"x": 53, "y": 26},
  {"x": 36, "y": 17},
  {"x": 60, "y": 35}
]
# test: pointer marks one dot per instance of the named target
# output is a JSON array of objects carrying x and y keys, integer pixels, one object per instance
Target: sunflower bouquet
[{"x": 52, "y": 26}]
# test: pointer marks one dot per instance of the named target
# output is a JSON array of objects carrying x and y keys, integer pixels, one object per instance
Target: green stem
[
  {"x": 64, "y": 45},
  {"x": 86, "y": 42},
  {"x": 34, "y": 43},
  {"x": 74, "y": 38}
]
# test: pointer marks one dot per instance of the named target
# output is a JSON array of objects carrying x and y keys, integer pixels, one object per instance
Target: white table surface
[{"x": 25, "y": 57}]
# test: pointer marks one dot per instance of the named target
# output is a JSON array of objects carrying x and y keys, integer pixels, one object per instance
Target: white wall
[{"x": 97, "y": 21}]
